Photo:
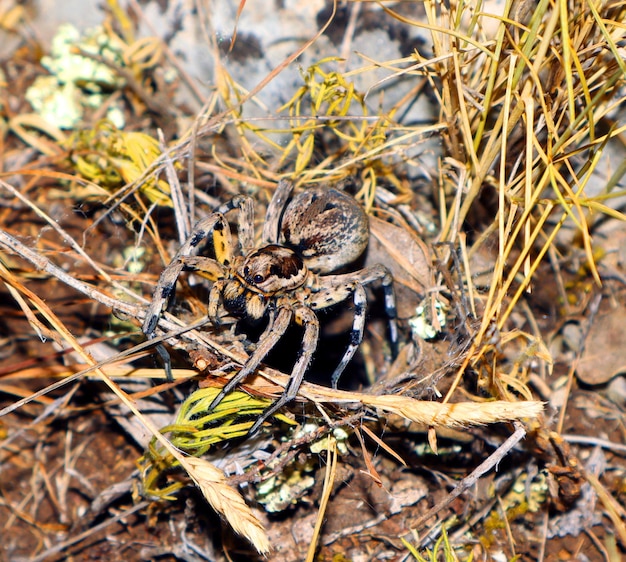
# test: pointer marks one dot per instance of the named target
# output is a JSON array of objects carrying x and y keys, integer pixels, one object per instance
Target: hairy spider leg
[
  {"x": 375, "y": 273},
  {"x": 337, "y": 288},
  {"x": 210, "y": 268},
  {"x": 356, "y": 334},
  {"x": 282, "y": 320},
  {"x": 245, "y": 220},
  {"x": 214, "y": 300},
  {"x": 307, "y": 318},
  {"x": 271, "y": 228},
  {"x": 214, "y": 225},
  {"x": 390, "y": 310}
]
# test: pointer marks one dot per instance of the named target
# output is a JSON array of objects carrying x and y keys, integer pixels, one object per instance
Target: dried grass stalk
[{"x": 227, "y": 502}]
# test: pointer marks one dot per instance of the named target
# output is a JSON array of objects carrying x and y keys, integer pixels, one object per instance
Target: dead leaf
[
  {"x": 407, "y": 258},
  {"x": 604, "y": 356}
]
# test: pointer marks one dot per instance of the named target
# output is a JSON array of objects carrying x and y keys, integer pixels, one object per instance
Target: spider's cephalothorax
[
  {"x": 287, "y": 278},
  {"x": 262, "y": 274}
]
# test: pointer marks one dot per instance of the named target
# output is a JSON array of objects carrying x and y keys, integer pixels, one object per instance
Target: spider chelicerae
[{"x": 286, "y": 279}]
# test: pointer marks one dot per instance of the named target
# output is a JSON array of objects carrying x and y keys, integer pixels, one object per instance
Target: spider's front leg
[
  {"x": 245, "y": 222},
  {"x": 215, "y": 225},
  {"x": 282, "y": 320},
  {"x": 307, "y": 318},
  {"x": 165, "y": 288},
  {"x": 334, "y": 289},
  {"x": 271, "y": 337}
]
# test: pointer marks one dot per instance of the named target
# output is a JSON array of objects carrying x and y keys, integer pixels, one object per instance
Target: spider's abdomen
[
  {"x": 328, "y": 228},
  {"x": 273, "y": 269}
]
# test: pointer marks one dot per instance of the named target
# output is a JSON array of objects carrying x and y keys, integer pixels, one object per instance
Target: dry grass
[{"x": 527, "y": 103}]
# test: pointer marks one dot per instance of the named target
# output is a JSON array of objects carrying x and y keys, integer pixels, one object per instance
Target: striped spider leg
[
  {"x": 215, "y": 269},
  {"x": 333, "y": 289},
  {"x": 285, "y": 315}
]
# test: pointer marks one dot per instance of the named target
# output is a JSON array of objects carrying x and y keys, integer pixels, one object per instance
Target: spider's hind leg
[
  {"x": 391, "y": 311},
  {"x": 336, "y": 288},
  {"x": 374, "y": 273},
  {"x": 356, "y": 334}
]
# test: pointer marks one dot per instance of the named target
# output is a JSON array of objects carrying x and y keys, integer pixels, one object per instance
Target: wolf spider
[{"x": 286, "y": 279}]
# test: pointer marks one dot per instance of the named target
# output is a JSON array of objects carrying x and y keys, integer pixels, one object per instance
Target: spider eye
[
  {"x": 246, "y": 271},
  {"x": 258, "y": 279}
]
